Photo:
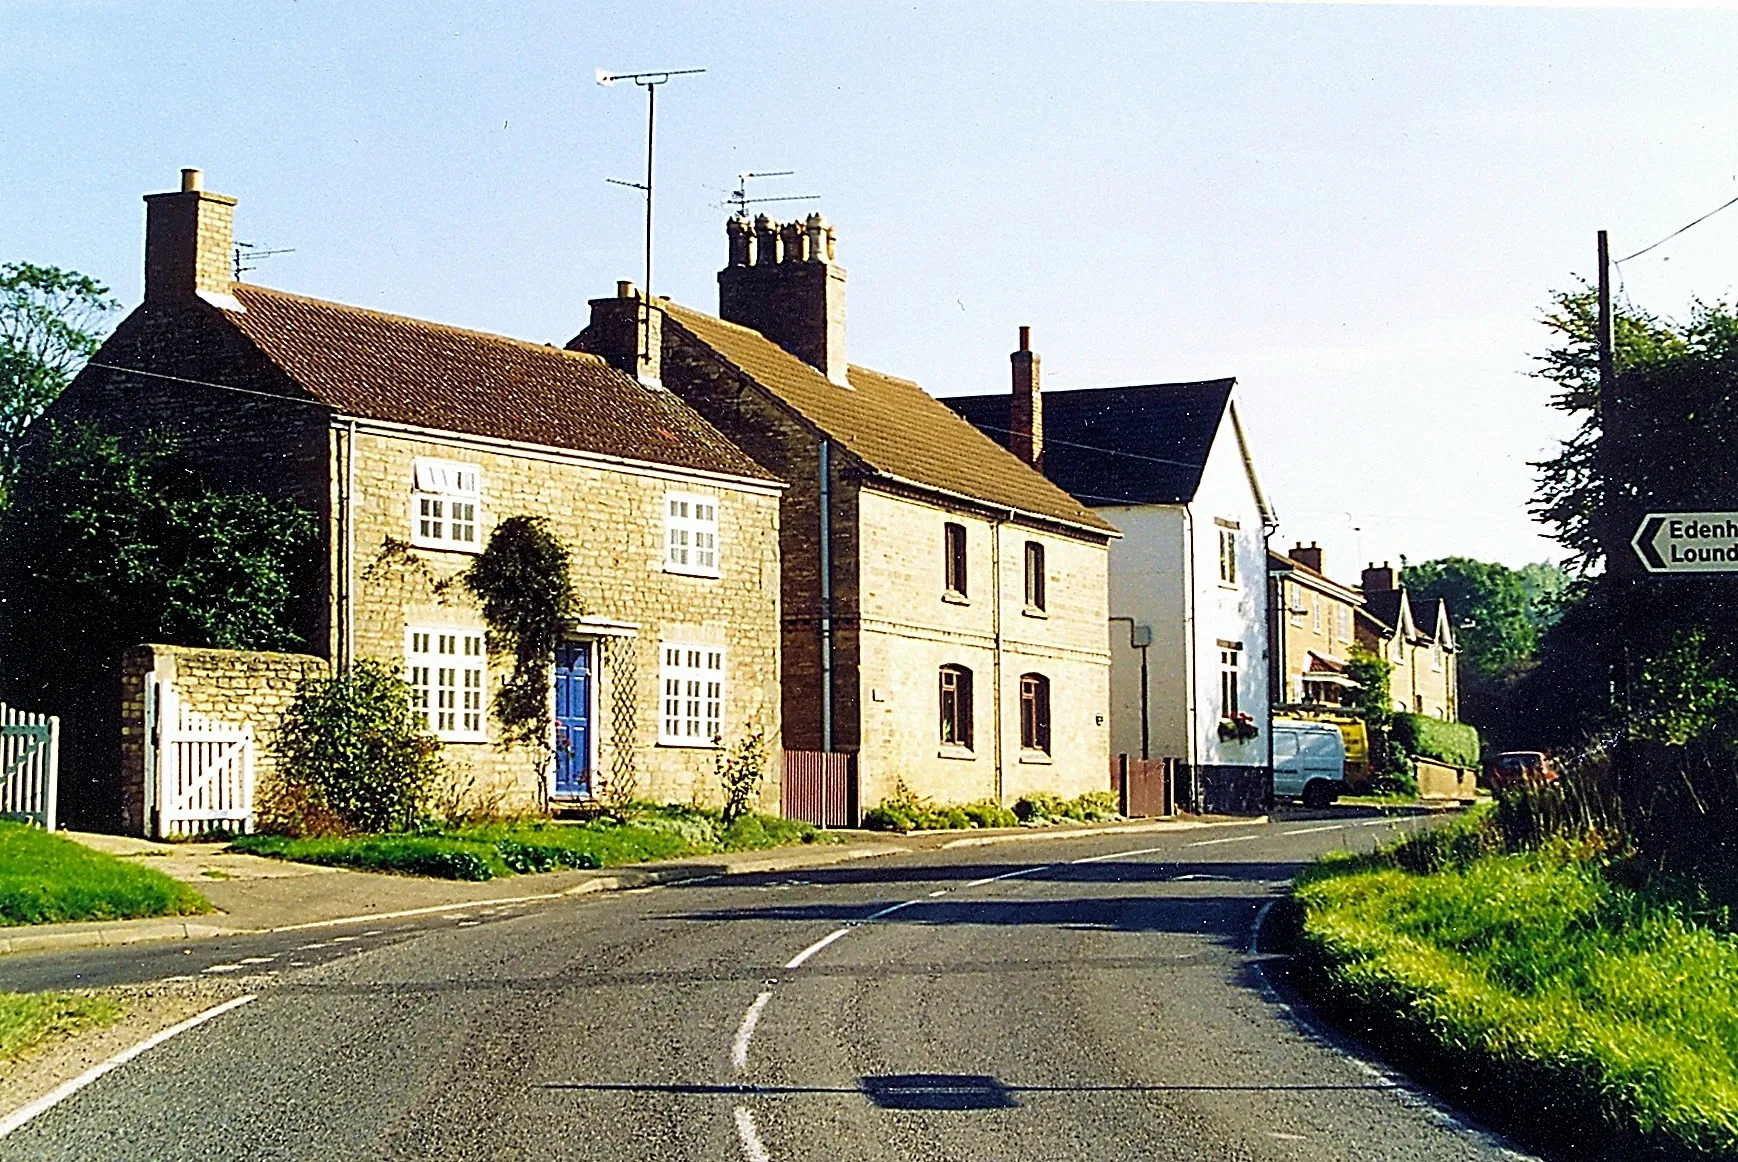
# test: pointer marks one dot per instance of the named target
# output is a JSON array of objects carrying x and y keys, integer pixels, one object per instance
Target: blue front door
[{"x": 573, "y": 674}]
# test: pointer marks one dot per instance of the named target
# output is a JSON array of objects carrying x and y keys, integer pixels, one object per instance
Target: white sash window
[
  {"x": 444, "y": 499},
  {"x": 448, "y": 673},
  {"x": 691, "y": 702},
  {"x": 691, "y": 534}
]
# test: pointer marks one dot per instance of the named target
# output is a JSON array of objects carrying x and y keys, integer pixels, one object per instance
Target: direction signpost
[{"x": 1688, "y": 542}]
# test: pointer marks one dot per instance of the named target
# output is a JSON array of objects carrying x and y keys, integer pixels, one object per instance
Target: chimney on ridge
[
  {"x": 628, "y": 331},
  {"x": 1310, "y": 555},
  {"x": 782, "y": 281},
  {"x": 189, "y": 244},
  {"x": 1380, "y": 579},
  {"x": 1026, "y": 409}
]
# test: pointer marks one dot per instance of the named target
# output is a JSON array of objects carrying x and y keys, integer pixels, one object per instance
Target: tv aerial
[
  {"x": 740, "y": 199},
  {"x": 248, "y": 254}
]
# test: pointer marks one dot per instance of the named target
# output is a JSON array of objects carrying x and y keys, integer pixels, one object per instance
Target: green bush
[
  {"x": 911, "y": 814},
  {"x": 48, "y": 879},
  {"x": 1455, "y": 743},
  {"x": 352, "y": 749},
  {"x": 1042, "y": 807}
]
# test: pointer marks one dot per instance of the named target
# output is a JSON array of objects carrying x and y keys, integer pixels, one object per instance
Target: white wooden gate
[
  {"x": 29, "y": 765},
  {"x": 199, "y": 772}
]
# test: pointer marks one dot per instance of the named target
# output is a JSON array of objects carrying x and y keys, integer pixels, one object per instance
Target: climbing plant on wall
[{"x": 523, "y": 584}]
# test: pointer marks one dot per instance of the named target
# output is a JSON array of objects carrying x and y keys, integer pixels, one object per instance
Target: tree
[
  {"x": 1491, "y": 607},
  {"x": 51, "y": 322}
]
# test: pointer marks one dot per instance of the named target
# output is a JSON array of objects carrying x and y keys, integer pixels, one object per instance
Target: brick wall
[{"x": 235, "y": 687}]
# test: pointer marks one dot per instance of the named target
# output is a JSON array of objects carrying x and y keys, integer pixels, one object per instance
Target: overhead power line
[{"x": 1679, "y": 230}]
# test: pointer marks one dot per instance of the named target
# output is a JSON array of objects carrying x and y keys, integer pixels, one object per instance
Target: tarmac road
[{"x": 1093, "y": 998}]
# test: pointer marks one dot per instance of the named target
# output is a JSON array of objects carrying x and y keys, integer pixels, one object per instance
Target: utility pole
[
  {"x": 648, "y": 81},
  {"x": 1618, "y": 566}
]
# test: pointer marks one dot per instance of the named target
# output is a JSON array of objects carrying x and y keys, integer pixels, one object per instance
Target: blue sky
[{"x": 1357, "y": 211}]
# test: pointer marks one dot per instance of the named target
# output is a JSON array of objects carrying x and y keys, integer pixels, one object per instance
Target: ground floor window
[
  {"x": 691, "y": 678},
  {"x": 1035, "y": 712},
  {"x": 1228, "y": 704},
  {"x": 956, "y": 706},
  {"x": 448, "y": 673}
]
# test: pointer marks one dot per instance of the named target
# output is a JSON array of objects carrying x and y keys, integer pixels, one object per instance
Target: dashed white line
[
  {"x": 223, "y": 968},
  {"x": 311, "y": 947},
  {"x": 1228, "y": 839},
  {"x": 1313, "y": 830},
  {"x": 752, "y": 1148},
  {"x": 797, "y": 960},
  {"x": 344, "y": 939},
  {"x": 1117, "y": 855},
  {"x": 1379, "y": 822},
  {"x": 65, "y": 1090},
  {"x": 938, "y": 892},
  {"x": 890, "y": 909},
  {"x": 469, "y": 923},
  {"x": 1025, "y": 871},
  {"x": 258, "y": 959},
  {"x": 745, "y": 1032}
]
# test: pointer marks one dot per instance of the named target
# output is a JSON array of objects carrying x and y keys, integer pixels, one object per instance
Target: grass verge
[
  {"x": 641, "y": 834},
  {"x": 47, "y": 879},
  {"x": 1532, "y": 986},
  {"x": 30, "y": 1019}
]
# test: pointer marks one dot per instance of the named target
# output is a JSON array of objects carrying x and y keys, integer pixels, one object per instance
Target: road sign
[{"x": 1688, "y": 542}]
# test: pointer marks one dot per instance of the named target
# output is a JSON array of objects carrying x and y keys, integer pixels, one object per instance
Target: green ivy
[
  {"x": 522, "y": 581},
  {"x": 1455, "y": 743}
]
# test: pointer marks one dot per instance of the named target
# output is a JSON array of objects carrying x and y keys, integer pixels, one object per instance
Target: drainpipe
[
  {"x": 1190, "y": 663},
  {"x": 826, "y": 475},
  {"x": 996, "y": 631},
  {"x": 347, "y": 601}
]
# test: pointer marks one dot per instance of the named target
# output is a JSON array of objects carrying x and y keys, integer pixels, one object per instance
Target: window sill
[
  {"x": 956, "y": 752},
  {"x": 1231, "y": 585},
  {"x": 686, "y": 744},
  {"x": 953, "y": 597},
  {"x": 1035, "y": 758},
  {"x": 446, "y": 547},
  {"x": 1035, "y": 611},
  {"x": 462, "y": 738},
  {"x": 678, "y": 571}
]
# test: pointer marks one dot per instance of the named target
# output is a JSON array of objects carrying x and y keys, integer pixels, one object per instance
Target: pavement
[
  {"x": 254, "y": 894},
  {"x": 1093, "y": 997}
]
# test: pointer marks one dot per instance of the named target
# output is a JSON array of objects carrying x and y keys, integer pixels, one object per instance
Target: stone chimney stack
[
  {"x": 189, "y": 244},
  {"x": 1026, "y": 409},
  {"x": 1310, "y": 554},
  {"x": 1380, "y": 579},
  {"x": 628, "y": 331},
  {"x": 782, "y": 281}
]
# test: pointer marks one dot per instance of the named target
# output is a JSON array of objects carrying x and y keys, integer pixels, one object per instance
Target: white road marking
[
  {"x": 258, "y": 959},
  {"x": 344, "y": 939},
  {"x": 65, "y": 1090},
  {"x": 372, "y": 932},
  {"x": 797, "y": 960},
  {"x": 752, "y": 1148},
  {"x": 469, "y": 923},
  {"x": 938, "y": 892},
  {"x": 311, "y": 947},
  {"x": 1285, "y": 1137},
  {"x": 1117, "y": 855},
  {"x": 1025, "y": 871},
  {"x": 1313, "y": 830},
  {"x": 176, "y": 979},
  {"x": 1230, "y": 839},
  {"x": 745, "y": 1032},
  {"x": 223, "y": 968},
  {"x": 1202, "y": 876},
  {"x": 1379, "y": 822},
  {"x": 890, "y": 909}
]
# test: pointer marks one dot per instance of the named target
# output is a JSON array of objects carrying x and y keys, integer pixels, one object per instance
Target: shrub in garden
[
  {"x": 1455, "y": 743},
  {"x": 740, "y": 769},
  {"x": 353, "y": 751}
]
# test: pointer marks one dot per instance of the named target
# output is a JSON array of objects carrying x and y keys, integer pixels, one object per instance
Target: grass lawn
[
  {"x": 46, "y": 879},
  {"x": 638, "y": 835},
  {"x": 1553, "y": 998},
  {"x": 29, "y": 1019}
]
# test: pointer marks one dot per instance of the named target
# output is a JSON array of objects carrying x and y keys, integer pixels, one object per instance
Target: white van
[{"x": 1309, "y": 762}]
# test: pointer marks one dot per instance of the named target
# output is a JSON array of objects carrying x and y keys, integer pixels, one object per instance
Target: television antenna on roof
[
  {"x": 248, "y": 254},
  {"x": 649, "y": 81},
  {"x": 740, "y": 199}
]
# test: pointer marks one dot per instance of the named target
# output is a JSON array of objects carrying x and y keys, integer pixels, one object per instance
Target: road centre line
[
  {"x": 1229, "y": 839},
  {"x": 797, "y": 960},
  {"x": 1313, "y": 830},
  {"x": 752, "y": 1147},
  {"x": 745, "y": 1032},
  {"x": 66, "y": 1089},
  {"x": 1025, "y": 871},
  {"x": 1116, "y": 855}
]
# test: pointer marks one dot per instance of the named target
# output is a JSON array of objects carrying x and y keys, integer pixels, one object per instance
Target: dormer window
[{"x": 444, "y": 501}]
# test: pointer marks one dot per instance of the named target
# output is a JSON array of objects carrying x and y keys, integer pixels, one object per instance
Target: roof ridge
[
  {"x": 429, "y": 324},
  {"x": 746, "y": 330}
]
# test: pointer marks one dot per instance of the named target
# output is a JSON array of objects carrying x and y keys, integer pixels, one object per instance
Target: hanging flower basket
[{"x": 1237, "y": 727}]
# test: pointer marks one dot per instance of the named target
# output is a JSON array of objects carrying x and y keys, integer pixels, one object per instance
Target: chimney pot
[
  {"x": 625, "y": 288},
  {"x": 790, "y": 291},
  {"x": 1025, "y": 338},
  {"x": 192, "y": 181},
  {"x": 1309, "y": 555}
]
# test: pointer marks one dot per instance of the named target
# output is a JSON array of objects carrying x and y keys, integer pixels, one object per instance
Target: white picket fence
[
  {"x": 29, "y": 765},
  {"x": 199, "y": 771}
]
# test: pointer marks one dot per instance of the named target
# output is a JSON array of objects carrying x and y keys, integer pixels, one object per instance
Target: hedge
[{"x": 1454, "y": 743}]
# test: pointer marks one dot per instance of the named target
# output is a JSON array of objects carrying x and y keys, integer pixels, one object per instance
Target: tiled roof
[
  {"x": 387, "y": 367},
  {"x": 1119, "y": 445},
  {"x": 1279, "y": 561},
  {"x": 892, "y": 425}
]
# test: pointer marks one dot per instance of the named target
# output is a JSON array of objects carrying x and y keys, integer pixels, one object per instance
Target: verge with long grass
[
  {"x": 1542, "y": 987},
  {"x": 46, "y": 879}
]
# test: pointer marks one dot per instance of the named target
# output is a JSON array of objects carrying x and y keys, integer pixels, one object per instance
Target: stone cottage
[
  {"x": 943, "y": 603},
  {"x": 411, "y": 441}
]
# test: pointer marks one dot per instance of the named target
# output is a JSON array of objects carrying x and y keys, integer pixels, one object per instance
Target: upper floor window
[
  {"x": 447, "y": 670},
  {"x": 956, "y": 706},
  {"x": 691, "y": 681},
  {"x": 1295, "y": 603},
  {"x": 690, "y": 534},
  {"x": 1035, "y": 712},
  {"x": 1034, "y": 575},
  {"x": 1345, "y": 619},
  {"x": 1228, "y": 701},
  {"x": 954, "y": 553},
  {"x": 1316, "y": 604},
  {"x": 1228, "y": 556},
  {"x": 443, "y": 504}
]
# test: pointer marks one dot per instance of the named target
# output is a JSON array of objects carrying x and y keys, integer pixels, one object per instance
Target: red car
[{"x": 1517, "y": 768}]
